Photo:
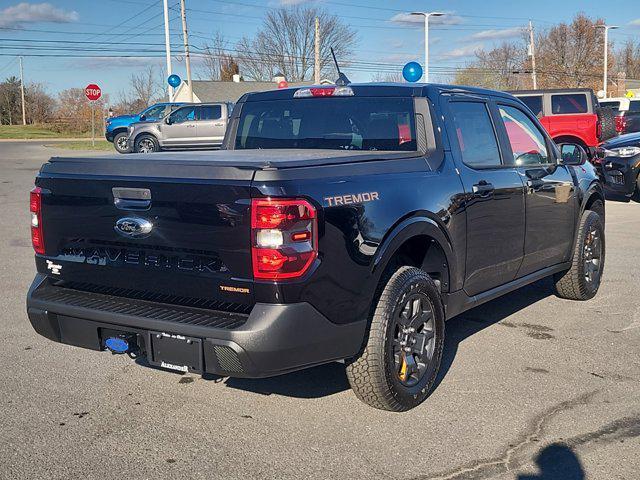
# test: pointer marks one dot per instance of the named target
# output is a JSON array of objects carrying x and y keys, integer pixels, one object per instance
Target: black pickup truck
[{"x": 338, "y": 223}]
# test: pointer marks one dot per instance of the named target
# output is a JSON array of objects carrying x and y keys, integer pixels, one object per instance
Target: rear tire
[
  {"x": 146, "y": 143},
  {"x": 120, "y": 142},
  {"x": 582, "y": 280},
  {"x": 400, "y": 360},
  {"x": 636, "y": 192}
]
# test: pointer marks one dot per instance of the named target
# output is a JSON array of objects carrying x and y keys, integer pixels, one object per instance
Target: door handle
[
  {"x": 219, "y": 124},
  {"x": 483, "y": 188},
  {"x": 191, "y": 126}
]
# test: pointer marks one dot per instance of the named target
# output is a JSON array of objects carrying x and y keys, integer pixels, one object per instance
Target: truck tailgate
[{"x": 196, "y": 252}]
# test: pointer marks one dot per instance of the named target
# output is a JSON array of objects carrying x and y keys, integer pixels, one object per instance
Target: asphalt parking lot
[{"x": 532, "y": 387}]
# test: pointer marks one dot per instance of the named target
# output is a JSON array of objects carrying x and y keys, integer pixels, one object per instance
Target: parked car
[
  {"x": 626, "y": 111},
  {"x": 116, "y": 128},
  {"x": 337, "y": 223},
  {"x": 618, "y": 163},
  {"x": 571, "y": 115},
  {"x": 198, "y": 125}
]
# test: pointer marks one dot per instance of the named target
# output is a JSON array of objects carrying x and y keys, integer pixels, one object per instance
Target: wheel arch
[
  {"x": 569, "y": 138},
  {"x": 144, "y": 133},
  {"x": 118, "y": 130},
  {"x": 592, "y": 195},
  {"x": 421, "y": 242}
]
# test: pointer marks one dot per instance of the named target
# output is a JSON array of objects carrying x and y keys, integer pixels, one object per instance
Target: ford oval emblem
[{"x": 133, "y": 227}]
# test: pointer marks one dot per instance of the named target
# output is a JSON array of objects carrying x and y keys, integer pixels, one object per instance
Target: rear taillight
[
  {"x": 35, "y": 206},
  {"x": 284, "y": 237},
  {"x": 599, "y": 129},
  {"x": 621, "y": 124}
]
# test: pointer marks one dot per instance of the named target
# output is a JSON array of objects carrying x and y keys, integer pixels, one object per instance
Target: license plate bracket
[{"x": 176, "y": 352}]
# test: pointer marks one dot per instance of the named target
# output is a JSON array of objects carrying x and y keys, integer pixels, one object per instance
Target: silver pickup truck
[{"x": 198, "y": 125}]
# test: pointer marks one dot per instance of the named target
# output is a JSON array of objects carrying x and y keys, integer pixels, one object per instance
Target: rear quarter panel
[
  {"x": 581, "y": 125},
  {"x": 342, "y": 283}
]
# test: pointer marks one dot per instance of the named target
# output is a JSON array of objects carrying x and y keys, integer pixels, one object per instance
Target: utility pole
[
  {"x": 426, "y": 39},
  {"x": 532, "y": 53},
  {"x": 167, "y": 45},
  {"x": 24, "y": 114},
  {"x": 187, "y": 60},
  {"x": 316, "y": 70},
  {"x": 606, "y": 54}
]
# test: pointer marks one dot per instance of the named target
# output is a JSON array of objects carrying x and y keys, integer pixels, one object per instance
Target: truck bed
[{"x": 200, "y": 163}]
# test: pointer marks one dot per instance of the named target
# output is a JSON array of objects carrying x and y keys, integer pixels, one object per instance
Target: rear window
[
  {"x": 534, "y": 102},
  {"x": 347, "y": 123},
  {"x": 569, "y": 103}
]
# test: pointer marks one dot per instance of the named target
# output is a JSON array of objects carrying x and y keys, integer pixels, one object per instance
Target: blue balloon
[
  {"x": 412, "y": 72},
  {"x": 174, "y": 80}
]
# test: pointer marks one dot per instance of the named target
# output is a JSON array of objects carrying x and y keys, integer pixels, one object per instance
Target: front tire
[
  {"x": 398, "y": 365},
  {"x": 120, "y": 142},
  {"x": 146, "y": 143},
  {"x": 582, "y": 280}
]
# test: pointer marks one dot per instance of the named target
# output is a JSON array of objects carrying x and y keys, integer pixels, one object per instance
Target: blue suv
[{"x": 116, "y": 127}]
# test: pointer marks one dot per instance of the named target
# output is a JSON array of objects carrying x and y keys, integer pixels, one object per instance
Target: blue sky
[{"x": 125, "y": 27}]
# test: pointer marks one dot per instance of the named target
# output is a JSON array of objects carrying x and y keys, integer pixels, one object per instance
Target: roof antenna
[{"x": 342, "y": 78}]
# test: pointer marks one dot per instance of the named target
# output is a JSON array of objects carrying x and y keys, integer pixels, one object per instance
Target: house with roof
[{"x": 224, "y": 91}]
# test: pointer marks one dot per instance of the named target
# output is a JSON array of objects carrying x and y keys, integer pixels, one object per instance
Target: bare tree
[
  {"x": 74, "y": 110},
  {"x": 40, "y": 106},
  {"x": 628, "y": 60},
  {"x": 570, "y": 55},
  {"x": 218, "y": 63},
  {"x": 285, "y": 44},
  {"x": 388, "y": 77},
  {"x": 567, "y": 55},
  {"x": 499, "y": 68},
  {"x": 144, "y": 89}
]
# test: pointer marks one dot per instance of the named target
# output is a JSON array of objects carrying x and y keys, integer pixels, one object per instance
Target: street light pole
[
  {"x": 167, "y": 45},
  {"x": 426, "y": 16},
  {"x": 606, "y": 55}
]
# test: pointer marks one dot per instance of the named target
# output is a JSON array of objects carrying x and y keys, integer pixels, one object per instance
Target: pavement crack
[{"x": 505, "y": 462}]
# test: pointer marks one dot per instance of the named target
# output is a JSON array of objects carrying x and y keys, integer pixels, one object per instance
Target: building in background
[{"x": 220, "y": 91}]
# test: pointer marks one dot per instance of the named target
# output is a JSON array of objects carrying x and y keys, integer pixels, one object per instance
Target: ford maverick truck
[{"x": 337, "y": 223}]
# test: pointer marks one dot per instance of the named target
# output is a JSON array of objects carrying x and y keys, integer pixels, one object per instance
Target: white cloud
[
  {"x": 418, "y": 20},
  {"x": 497, "y": 34},
  {"x": 635, "y": 23},
  {"x": 461, "y": 52},
  {"x": 18, "y": 15}
]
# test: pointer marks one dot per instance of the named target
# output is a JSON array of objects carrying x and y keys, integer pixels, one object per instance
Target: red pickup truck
[{"x": 571, "y": 115}]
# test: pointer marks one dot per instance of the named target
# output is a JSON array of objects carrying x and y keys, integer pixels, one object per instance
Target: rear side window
[
  {"x": 349, "y": 123},
  {"x": 475, "y": 133},
  {"x": 210, "y": 112},
  {"x": 569, "y": 103},
  {"x": 527, "y": 142},
  {"x": 534, "y": 102}
]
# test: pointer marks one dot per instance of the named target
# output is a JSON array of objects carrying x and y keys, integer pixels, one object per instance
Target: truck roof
[{"x": 379, "y": 90}]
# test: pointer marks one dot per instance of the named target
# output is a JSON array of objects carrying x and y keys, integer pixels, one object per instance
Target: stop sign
[{"x": 93, "y": 92}]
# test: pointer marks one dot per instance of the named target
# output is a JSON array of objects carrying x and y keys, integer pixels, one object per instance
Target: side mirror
[
  {"x": 143, "y": 117},
  {"x": 572, "y": 154},
  {"x": 167, "y": 120}
]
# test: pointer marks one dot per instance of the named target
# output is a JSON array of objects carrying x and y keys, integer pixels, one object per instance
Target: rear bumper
[{"x": 273, "y": 339}]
